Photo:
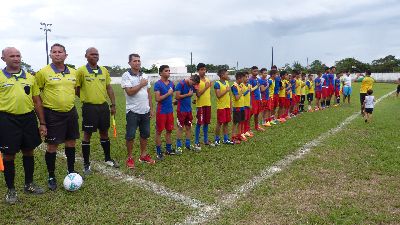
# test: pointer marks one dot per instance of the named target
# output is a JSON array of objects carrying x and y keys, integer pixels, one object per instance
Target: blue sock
[
  {"x": 168, "y": 147},
  {"x": 187, "y": 143},
  {"x": 226, "y": 137},
  {"x": 217, "y": 138},
  {"x": 158, "y": 149},
  {"x": 205, "y": 131},
  {"x": 197, "y": 134},
  {"x": 178, "y": 143}
]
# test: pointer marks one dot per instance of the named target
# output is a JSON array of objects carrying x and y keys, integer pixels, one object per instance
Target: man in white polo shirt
[
  {"x": 139, "y": 109},
  {"x": 346, "y": 87}
]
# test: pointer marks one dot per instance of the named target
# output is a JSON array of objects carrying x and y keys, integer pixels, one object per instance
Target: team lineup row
[{"x": 49, "y": 96}]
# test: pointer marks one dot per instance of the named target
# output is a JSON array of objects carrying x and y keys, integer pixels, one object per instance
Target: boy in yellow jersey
[
  {"x": 283, "y": 103},
  {"x": 246, "y": 88},
  {"x": 203, "y": 104},
  {"x": 237, "y": 106},
  {"x": 302, "y": 92},
  {"x": 19, "y": 96},
  {"x": 271, "y": 103},
  {"x": 310, "y": 90},
  {"x": 222, "y": 90},
  {"x": 297, "y": 95},
  {"x": 366, "y": 84},
  {"x": 57, "y": 82},
  {"x": 93, "y": 87}
]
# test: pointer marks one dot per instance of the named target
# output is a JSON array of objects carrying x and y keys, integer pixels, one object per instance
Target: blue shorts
[
  {"x": 346, "y": 91},
  {"x": 135, "y": 120}
]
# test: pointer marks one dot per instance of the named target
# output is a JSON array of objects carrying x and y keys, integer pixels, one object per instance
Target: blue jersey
[
  {"x": 331, "y": 78},
  {"x": 277, "y": 85},
  {"x": 184, "y": 104},
  {"x": 325, "y": 78},
  {"x": 264, "y": 94},
  {"x": 165, "y": 106},
  {"x": 293, "y": 83},
  {"x": 318, "y": 87},
  {"x": 256, "y": 95},
  {"x": 337, "y": 84}
]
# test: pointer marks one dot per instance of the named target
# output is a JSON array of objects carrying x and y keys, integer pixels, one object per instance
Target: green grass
[{"x": 212, "y": 173}]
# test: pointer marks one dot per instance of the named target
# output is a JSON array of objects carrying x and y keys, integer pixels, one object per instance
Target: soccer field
[{"x": 339, "y": 171}]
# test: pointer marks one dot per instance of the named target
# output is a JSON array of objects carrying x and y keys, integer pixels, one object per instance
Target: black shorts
[
  {"x": 302, "y": 99},
  {"x": 18, "y": 132},
  {"x": 398, "y": 88},
  {"x": 369, "y": 110},
  {"x": 238, "y": 115},
  {"x": 95, "y": 117},
  {"x": 362, "y": 98},
  {"x": 61, "y": 126},
  {"x": 135, "y": 120},
  {"x": 310, "y": 97}
]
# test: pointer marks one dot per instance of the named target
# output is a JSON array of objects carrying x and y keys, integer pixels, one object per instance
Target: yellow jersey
[
  {"x": 310, "y": 89},
  {"x": 205, "y": 98},
  {"x": 282, "y": 91},
  {"x": 298, "y": 87},
  {"x": 271, "y": 88},
  {"x": 58, "y": 87},
  {"x": 246, "y": 89},
  {"x": 237, "y": 90},
  {"x": 225, "y": 101},
  {"x": 93, "y": 84},
  {"x": 303, "y": 87},
  {"x": 16, "y": 91},
  {"x": 366, "y": 84}
]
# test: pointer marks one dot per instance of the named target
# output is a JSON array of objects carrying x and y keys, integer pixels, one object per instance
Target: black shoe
[
  {"x": 171, "y": 152},
  {"x": 52, "y": 183},
  {"x": 11, "y": 196},
  {"x": 32, "y": 188},
  {"x": 160, "y": 157},
  {"x": 87, "y": 170}
]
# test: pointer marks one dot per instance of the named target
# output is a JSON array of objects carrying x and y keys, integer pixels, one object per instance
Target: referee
[
  {"x": 57, "y": 83},
  {"x": 19, "y": 96},
  {"x": 93, "y": 86}
]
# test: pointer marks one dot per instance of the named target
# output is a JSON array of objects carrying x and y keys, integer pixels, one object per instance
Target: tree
[
  {"x": 386, "y": 64},
  {"x": 191, "y": 68},
  {"x": 153, "y": 69},
  {"x": 116, "y": 71},
  {"x": 25, "y": 66},
  {"x": 316, "y": 67},
  {"x": 350, "y": 64},
  {"x": 297, "y": 66},
  {"x": 70, "y": 65}
]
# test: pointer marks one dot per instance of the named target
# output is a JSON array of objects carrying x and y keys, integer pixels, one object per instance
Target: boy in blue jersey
[
  {"x": 325, "y": 88},
  {"x": 255, "y": 97},
  {"x": 264, "y": 89},
  {"x": 337, "y": 89},
  {"x": 331, "y": 86},
  {"x": 183, "y": 94},
  {"x": 318, "y": 91},
  {"x": 163, "y": 90}
]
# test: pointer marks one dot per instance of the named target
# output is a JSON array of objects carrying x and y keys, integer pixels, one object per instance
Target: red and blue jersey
[
  {"x": 184, "y": 104},
  {"x": 165, "y": 106},
  {"x": 337, "y": 84},
  {"x": 331, "y": 78},
  {"x": 277, "y": 85},
  {"x": 293, "y": 83},
  {"x": 264, "y": 94},
  {"x": 255, "y": 95},
  {"x": 318, "y": 87},
  {"x": 326, "y": 81}
]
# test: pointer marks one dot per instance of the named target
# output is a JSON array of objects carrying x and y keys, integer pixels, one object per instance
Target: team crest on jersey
[{"x": 7, "y": 85}]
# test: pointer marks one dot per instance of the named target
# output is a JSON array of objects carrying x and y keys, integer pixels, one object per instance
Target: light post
[{"x": 45, "y": 28}]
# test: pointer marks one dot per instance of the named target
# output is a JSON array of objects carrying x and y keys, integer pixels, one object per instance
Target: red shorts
[
  {"x": 318, "y": 94},
  {"x": 331, "y": 90},
  {"x": 247, "y": 113},
  {"x": 164, "y": 122},
  {"x": 293, "y": 100},
  {"x": 282, "y": 101},
  {"x": 269, "y": 104},
  {"x": 275, "y": 101},
  {"x": 325, "y": 92},
  {"x": 337, "y": 93},
  {"x": 256, "y": 106},
  {"x": 287, "y": 102},
  {"x": 224, "y": 115},
  {"x": 203, "y": 115},
  {"x": 264, "y": 104},
  {"x": 184, "y": 118}
]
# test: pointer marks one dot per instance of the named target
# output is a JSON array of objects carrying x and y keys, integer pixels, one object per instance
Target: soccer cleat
[
  {"x": 147, "y": 159},
  {"x": 249, "y": 134},
  {"x": 130, "y": 163},
  {"x": 217, "y": 143},
  {"x": 178, "y": 150},
  {"x": 273, "y": 122},
  {"x": 267, "y": 124},
  {"x": 52, "y": 183},
  {"x": 170, "y": 152},
  {"x": 87, "y": 170},
  {"x": 260, "y": 129},
  {"x": 160, "y": 157},
  {"x": 11, "y": 196},
  {"x": 242, "y": 137},
  {"x": 236, "y": 141},
  {"x": 228, "y": 142},
  {"x": 32, "y": 188},
  {"x": 197, "y": 147},
  {"x": 209, "y": 144},
  {"x": 112, "y": 163}
]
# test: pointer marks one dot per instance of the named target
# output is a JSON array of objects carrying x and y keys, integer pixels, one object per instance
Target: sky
[{"x": 216, "y": 32}]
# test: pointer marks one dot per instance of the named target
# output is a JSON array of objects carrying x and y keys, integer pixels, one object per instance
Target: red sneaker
[
  {"x": 260, "y": 129},
  {"x": 147, "y": 159},
  {"x": 130, "y": 163}
]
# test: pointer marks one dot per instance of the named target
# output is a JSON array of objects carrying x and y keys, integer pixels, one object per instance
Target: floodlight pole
[{"x": 45, "y": 28}]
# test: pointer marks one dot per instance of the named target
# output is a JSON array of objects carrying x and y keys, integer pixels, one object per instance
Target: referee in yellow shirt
[
  {"x": 57, "y": 83},
  {"x": 19, "y": 96},
  {"x": 366, "y": 84},
  {"x": 93, "y": 86}
]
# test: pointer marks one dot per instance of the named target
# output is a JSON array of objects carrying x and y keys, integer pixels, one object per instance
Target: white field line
[
  {"x": 228, "y": 201},
  {"x": 141, "y": 183}
]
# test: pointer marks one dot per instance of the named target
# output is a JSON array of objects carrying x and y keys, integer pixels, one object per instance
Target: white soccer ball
[{"x": 72, "y": 182}]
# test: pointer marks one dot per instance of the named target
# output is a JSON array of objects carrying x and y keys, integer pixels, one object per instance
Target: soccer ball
[{"x": 72, "y": 182}]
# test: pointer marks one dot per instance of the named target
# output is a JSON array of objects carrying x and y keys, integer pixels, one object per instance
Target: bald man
[
  {"x": 19, "y": 97},
  {"x": 93, "y": 86}
]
